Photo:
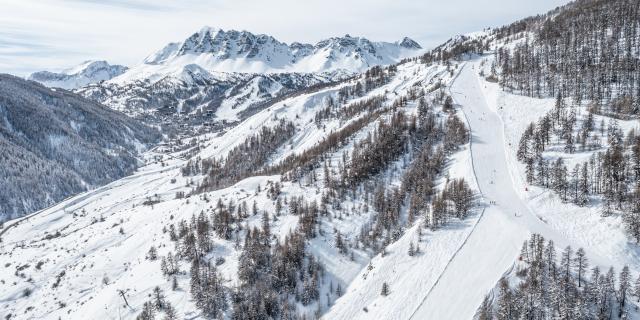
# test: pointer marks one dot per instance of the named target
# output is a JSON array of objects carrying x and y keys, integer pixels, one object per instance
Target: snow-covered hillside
[
  {"x": 63, "y": 263},
  {"x": 88, "y": 72},
  {"x": 83, "y": 251},
  {"x": 85, "y": 256},
  {"x": 55, "y": 144},
  {"x": 332, "y": 181},
  {"x": 516, "y": 209},
  {"x": 207, "y": 97}
]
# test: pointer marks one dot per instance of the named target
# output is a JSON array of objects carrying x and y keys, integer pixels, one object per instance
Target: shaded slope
[{"x": 55, "y": 143}]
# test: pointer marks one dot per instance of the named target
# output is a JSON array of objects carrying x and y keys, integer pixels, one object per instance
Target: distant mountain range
[
  {"x": 241, "y": 51},
  {"x": 81, "y": 75},
  {"x": 230, "y": 74},
  {"x": 211, "y": 51}
]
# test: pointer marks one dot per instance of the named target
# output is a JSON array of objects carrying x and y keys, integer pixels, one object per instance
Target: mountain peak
[
  {"x": 88, "y": 72},
  {"x": 209, "y": 29},
  {"x": 409, "y": 43},
  {"x": 218, "y": 50},
  {"x": 230, "y": 44}
]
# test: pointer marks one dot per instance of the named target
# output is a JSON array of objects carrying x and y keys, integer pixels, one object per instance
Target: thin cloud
[{"x": 127, "y": 4}]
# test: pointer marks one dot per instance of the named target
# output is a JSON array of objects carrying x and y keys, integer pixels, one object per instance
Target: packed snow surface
[{"x": 515, "y": 212}]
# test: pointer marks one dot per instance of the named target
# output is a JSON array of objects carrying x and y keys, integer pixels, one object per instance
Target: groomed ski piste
[
  {"x": 451, "y": 281},
  {"x": 514, "y": 210},
  {"x": 459, "y": 264}
]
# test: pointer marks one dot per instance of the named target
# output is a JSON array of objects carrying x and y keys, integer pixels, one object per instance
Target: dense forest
[
  {"x": 237, "y": 165},
  {"x": 242, "y": 161},
  {"x": 56, "y": 143},
  {"x": 589, "y": 50},
  {"x": 559, "y": 285},
  {"x": 273, "y": 276}
]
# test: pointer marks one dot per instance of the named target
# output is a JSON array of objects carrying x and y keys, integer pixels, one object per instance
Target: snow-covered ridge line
[
  {"x": 88, "y": 72},
  {"x": 217, "y": 50}
]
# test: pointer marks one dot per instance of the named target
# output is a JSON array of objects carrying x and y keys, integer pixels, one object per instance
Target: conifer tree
[
  {"x": 411, "y": 250},
  {"x": 581, "y": 264},
  {"x": 385, "y": 289}
]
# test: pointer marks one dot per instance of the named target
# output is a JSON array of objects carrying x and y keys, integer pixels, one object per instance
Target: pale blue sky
[{"x": 55, "y": 34}]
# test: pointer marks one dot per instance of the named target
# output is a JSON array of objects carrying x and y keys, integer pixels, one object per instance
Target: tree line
[{"x": 587, "y": 50}]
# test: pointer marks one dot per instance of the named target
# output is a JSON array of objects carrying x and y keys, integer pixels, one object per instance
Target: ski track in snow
[
  {"x": 473, "y": 167},
  {"x": 495, "y": 243}
]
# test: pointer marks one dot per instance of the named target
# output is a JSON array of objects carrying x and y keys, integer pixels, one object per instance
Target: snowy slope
[
  {"x": 100, "y": 238},
  {"x": 495, "y": 244},
  {"x": 56, "y": 143},
  {"x": 409, "y": 278},
  {"x": 603, "y": 235},
  {"x": 459, "y": 263},
  {"x": 462, "y": 264},
  {"x": 88, "y": 72}
]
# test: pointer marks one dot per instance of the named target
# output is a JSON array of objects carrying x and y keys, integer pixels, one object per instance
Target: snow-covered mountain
[
  {"x": 289, "y": 171},
  {"x": 216, "y": 50},
  {"x": 404, "y": 192},
  {"x": 232, "y": 74},
  {"x": 114, "y": 227},
  {"x": 86, "y": 73},
  {"x": 200, "y": 101}
]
